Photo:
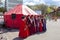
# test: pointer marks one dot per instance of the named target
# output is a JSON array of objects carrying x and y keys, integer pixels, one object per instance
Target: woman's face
[{"x": 24, "y": 18}]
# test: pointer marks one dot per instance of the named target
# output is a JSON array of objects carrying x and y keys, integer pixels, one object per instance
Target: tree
[
  {"x": 2, "y": 9},
  {"x": 49, "y": 10},
  {"x": 54, "y": 8},
  {"x": 43, "y": 8}
]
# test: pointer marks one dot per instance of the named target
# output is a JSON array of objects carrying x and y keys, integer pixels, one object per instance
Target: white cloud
[
  {"x": 56, "y": 0},
  {"x": 36, "y": 0},
  {"x": 42, "y": 2},
  {"x": 29, "y": 3},
  {"x": 2, "y": 0}
]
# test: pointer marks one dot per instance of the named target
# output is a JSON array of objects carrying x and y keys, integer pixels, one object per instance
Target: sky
[
  {"x": 1, "y": 3},
  {"x": 3, "y": 0},
  {"x": 35, "y": 2},
  {"x": 48, "y": 2}
]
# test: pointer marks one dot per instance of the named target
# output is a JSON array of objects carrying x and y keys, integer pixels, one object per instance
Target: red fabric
[
  {"x": 32, "y": 30},
  {"x": 18, "y": 10},
  {"x": 41, "y": 27},
  {"x": 24, "y": 31},
  {"x": 8, "y": 22}
]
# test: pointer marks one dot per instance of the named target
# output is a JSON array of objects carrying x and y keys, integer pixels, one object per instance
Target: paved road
[{"x": 52, "y": 33}]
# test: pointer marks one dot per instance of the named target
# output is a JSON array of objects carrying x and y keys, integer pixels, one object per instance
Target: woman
[
  {"x": 36, "y": 18},
  {"x": 32, "y": 27},
  {"x": 41, "y": 24},
  {"x": 24, "y": 30},
  {"x": 44, "y": 24}
]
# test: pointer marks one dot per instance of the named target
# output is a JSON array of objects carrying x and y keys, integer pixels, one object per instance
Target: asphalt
[{"x": 52, "y": 33}]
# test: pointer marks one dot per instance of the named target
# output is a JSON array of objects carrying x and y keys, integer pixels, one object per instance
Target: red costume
[
  {"x": 41, "y": 26},
  {"x": 24, "y": 31},
  {"x": 32, "y": 27}
]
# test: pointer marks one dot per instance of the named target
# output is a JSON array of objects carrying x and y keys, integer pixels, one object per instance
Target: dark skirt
[{"x": 44, "y": 25}]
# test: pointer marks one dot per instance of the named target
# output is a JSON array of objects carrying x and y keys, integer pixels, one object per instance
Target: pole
[{"x": 5, "y": 5}]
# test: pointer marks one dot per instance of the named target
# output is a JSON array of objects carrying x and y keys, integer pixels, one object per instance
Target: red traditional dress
[
  {"x": 41, "y": 26},
  {"x": 32, "y": 27},
  {"x": 24, "y": 30},
  {"x": 37, "y": 21}
]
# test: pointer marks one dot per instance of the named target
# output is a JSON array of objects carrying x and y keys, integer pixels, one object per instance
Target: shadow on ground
[
  {"x": 17, "y": 38},
  {"x": 5, "y": 30}
]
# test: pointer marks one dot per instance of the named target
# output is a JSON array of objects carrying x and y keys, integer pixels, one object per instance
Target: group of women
[{"x": 31, "y": 25}]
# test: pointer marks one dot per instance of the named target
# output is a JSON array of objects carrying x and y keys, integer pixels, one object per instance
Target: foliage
[
  {"x": 49, "y": 10},
  {"x": 40, "y": 7},
  {"x": 2, "y": 9}
]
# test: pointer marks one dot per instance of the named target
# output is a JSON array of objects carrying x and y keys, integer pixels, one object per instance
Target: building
[
  {"x": 38, "y": 11},
  {"x": 1, "y": 4},
  {"x": 9, "y": 4},
  {"x": 0, "y": 0}
]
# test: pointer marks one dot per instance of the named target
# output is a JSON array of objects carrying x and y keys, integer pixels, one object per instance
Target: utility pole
[
  {"x": 5, "y": 5},
  {"x": 0, "y": 3},
  {"x": 0, "y": 0}
]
